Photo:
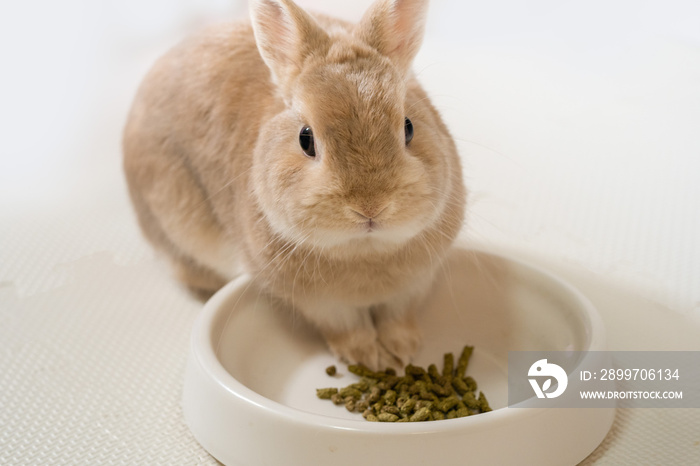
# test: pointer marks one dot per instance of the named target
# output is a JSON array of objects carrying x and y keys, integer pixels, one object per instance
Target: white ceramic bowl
[{"x": 249, "y": 395}]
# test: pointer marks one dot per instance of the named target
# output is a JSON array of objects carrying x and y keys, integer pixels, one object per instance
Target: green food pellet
[
  {"x": 362, "y": 385},
  {"x": 375, "y": 394},
  {"x": 440, "y": 390},
  {"x": 470, "y": 383},
  {"x": 402, "y": 385},
  {"x": 391, "y": 381},
  {"x": 400, "y": 400},
  {"x": 428, "y": 395},
  {"x": 416, "y": 387},
  {"x": 377, "y": 407},
  {"x": 470, "y": 401},
  {"x": 362, "y": 405},
  {"x": 433, "y": 372},
  {"x": 388, "y": 382},
  {"x": 421, "y": 415},
  {"x": 387, "y": 417},
  {"x": 362, "y": 371},
  {"x": 408, "y": 406},
  {"x": 415, "y": 371},
  {"x": 447, "y": 404},
  {"x": 459, "y": 386},
  {"x": 464, "y": 361},
  {"x": 350, "y": 404},
  {"x": 350, "y": 391},
  {"x": 448, "y": 364},
  {"x": 389, "y": 397},
  {"x": 391, "y": 409},
  {"x": 424, "y": 404},
  {"x": 331, "y": 370},
  {"x": 484, "y": 403},
  {"x": 326, "y": 393}
]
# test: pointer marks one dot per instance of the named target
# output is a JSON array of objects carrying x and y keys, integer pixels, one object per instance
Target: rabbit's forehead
[
  {"x": 339, "y": 91},
  {"x": 370, "y": 85}
]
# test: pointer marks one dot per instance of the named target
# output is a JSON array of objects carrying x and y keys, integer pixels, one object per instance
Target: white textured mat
[
  {"x": 578, "y": 124},
  {"x": 92, "y": 370}
]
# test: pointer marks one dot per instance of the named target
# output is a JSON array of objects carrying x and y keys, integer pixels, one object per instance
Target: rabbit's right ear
[
  {"x": 395, "y": 28},
  {"x": 286, "y": 35}
]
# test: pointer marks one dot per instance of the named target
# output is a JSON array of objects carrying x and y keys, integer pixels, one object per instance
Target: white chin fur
[{"x": 360, "y": 240}]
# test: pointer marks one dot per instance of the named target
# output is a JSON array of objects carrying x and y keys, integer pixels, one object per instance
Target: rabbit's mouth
[{"x": 370, "y": 225}]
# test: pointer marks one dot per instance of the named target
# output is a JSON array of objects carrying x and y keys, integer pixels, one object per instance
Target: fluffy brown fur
[{"x": 350, "y": 238}]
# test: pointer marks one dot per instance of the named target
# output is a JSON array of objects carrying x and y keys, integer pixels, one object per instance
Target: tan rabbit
[{"x": 286, "y": 150}]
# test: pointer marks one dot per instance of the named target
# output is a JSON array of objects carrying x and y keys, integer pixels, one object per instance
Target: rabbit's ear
[
  {"x": 285, "y": 35},
  {"x": 395, "y": 28}
]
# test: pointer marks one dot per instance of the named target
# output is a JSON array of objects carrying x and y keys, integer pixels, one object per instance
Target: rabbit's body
[{"x": 349, "y": 236}]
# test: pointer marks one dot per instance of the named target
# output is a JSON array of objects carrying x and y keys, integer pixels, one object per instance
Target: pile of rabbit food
[{"x": 418, "y": 395}]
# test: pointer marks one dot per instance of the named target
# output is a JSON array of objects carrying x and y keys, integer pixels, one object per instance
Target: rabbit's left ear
[
  {"x": 286, "y": 35},
  {"x": 395, "y": 28}
]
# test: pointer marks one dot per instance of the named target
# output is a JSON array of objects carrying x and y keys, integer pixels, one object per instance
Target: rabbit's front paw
[
  {"x": 361, "y": 346},
  {"x": 401, "y": 337}
]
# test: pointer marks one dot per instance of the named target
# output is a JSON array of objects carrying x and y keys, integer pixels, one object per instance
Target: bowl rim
[{"x": 204, "y": 351}]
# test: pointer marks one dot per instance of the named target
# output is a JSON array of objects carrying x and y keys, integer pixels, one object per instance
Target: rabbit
[{"x": 301, "y": 150}]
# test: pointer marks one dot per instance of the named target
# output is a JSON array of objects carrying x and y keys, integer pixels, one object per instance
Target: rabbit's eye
[
  {"x": 306, "y": 141},
  {"x": 408, "y": 129}
]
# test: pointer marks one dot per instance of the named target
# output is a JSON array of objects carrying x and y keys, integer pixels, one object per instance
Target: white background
[{"x": 579, "y": 127}]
